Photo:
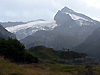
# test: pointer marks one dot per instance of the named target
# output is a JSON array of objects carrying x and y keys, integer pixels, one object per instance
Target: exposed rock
[{"x": 80, "y": 61}]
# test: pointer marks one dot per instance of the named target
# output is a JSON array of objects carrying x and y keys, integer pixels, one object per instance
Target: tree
[{"x": 15, "y": 51}]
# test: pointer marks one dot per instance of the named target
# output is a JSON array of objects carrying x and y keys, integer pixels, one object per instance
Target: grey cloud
[{"x": 25, "y": 10}]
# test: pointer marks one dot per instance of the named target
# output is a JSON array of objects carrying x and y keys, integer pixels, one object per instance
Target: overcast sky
[{"x": 27, "y": 10}]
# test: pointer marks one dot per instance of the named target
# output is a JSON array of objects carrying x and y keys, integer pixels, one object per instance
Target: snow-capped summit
[
  {"x": 65, "y": 21},
  {"x": 75, "y": 24},
  {"x": 80, "y": 19},
  {"x": 66, "y": 9},
  {"x": 74, "y": 15}
]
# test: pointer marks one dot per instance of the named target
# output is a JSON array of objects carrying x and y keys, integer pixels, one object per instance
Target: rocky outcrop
[{"x": 80, "y": 61}]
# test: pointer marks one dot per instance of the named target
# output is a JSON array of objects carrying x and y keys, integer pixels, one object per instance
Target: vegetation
[
  {"x": 15, "y": 51},
  {"x": 49, "y": 54},
  {"x": 9, "y": 68}
]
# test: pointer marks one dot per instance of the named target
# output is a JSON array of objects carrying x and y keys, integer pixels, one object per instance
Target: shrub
[
  {"x": 29, "y": 58},
  {"x": 15, "y": 51}
]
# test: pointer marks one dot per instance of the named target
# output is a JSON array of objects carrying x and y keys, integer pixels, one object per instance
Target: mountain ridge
[
  {"x": 5, "y": 34},
  {"x": 91, "y": 45},
  {"x": 68, "y": 29},
  {"x": 31, "y": 27}
]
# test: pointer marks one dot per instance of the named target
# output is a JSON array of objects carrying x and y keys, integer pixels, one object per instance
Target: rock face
[
  {"x": 80, "y": 61},
  {"x": 5, "y": 34},
  {"x": 62, "y": 18},
  {"x": 91, "y": 45},
  {"x": 75, "y": 24},
  {"x": 52, "y": 39}
]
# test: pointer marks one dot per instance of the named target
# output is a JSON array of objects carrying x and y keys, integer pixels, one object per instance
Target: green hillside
[{"x": 50, "y": 54}]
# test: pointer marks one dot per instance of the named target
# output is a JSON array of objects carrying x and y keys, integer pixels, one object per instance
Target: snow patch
[
  {"x": 38, "y": 24},
  {"x": 75, "y": 17}
]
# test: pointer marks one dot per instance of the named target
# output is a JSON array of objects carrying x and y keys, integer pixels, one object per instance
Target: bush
[
  {"x": 15, "y": 51},
  {"x": 30, "y": 58}
]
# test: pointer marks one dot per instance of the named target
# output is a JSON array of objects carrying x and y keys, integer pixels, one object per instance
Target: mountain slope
[
  {"x": 91, "y": 45},
  {"x": 75, "y": 24},
  {"x": 53, "y": 39},
  {"x": 10, "y": 24},
  {"x": 5, "y": 34},
  {"x": 67, "y": 30},
  {"x": 66, "y": 20},
  {"x": 72, "y": 28},
  {"x": 23, "y": 30}
]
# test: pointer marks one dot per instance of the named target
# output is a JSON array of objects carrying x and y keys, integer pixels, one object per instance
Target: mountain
[
  {"x": 28, "y": 28},
  {"x": 71, "y": 29},
  {"x": 75, "y": 24},
  {"x": 91, "y": 45},
  {"x": 53, "y": 39},
  {"x": 66, "y": 30},
  {"x": 10, "y": 24},
  {"x": 66, "y": 21},
  {"x": 5, "y": 34}
]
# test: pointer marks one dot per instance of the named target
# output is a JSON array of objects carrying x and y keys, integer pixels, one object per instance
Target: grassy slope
[
  {"x": 6, "y": 68},
  {"x": 9, "y": 68},
  {"x": 50, "y": 54}
]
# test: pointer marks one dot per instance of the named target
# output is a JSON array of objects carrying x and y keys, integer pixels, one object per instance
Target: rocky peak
[
  {"x": 66, "y": 9},
  {"x": 62, "y": 18}
]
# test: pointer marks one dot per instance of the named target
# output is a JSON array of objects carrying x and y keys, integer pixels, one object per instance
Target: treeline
[{"x": 15, "y": 51}]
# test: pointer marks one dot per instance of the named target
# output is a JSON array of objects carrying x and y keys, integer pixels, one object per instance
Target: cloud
[
  {"x": 25, "y": 10},
  {"x": 94, "y": 3}
]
